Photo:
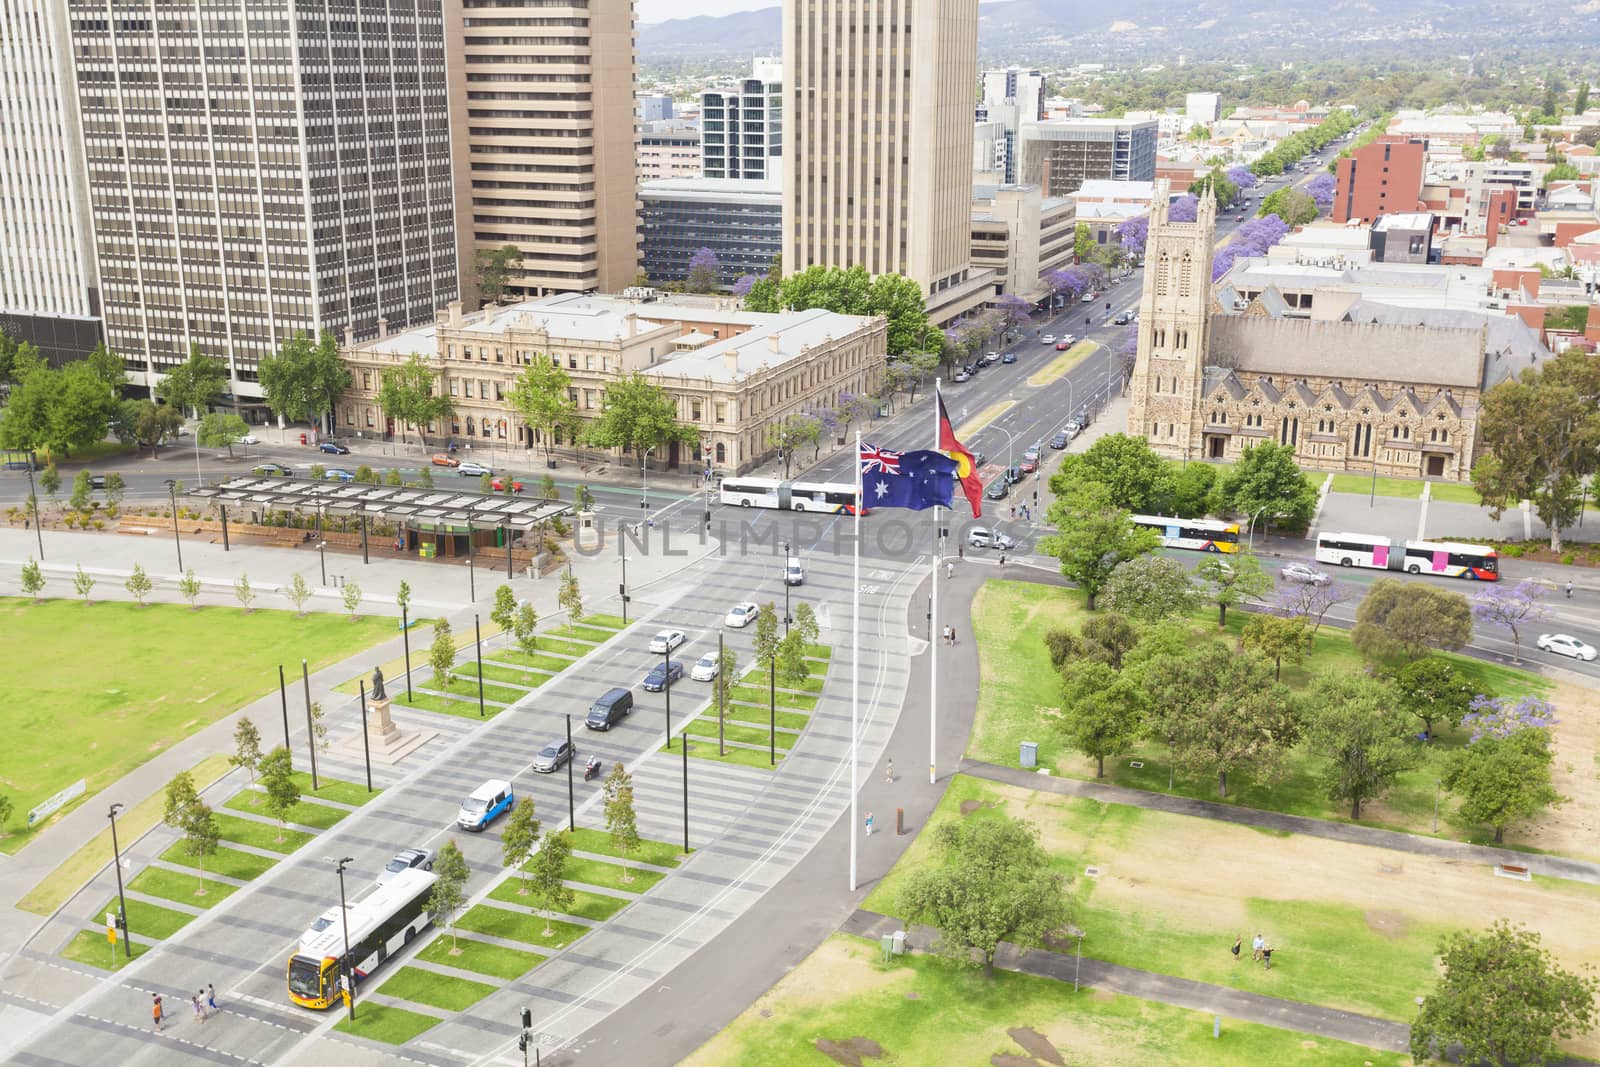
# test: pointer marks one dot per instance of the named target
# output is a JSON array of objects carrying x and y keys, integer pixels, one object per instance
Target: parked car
[
  {"x": 705, "y": 668},
  {"x": 1072, "y": 429},
  {"x": 741, "y": 615},
  {"x": 1048, "y": 339},
  {"x": 500, "y": 485},
  {"x": 1062, "y": 346},
  {"x": 961, "y": 376},
  {"x": 1028, "y": 466},
  {"x": 1059, "y": 441},
  {"x": 1567, "y": 645},
  {"x": 553, "y": 757},
  {"x": 972, "y": 369},
  {"x": 1009, "y": 357},
  {"x": 405, "y": 860},
  {"x": 485, "y": 804},
  {"x": 998, "y": 489},
  {"x": 1013, "y": 475},
  {"x": 793, "y": 573},
  {"x": 991, "y": 358},
  {"x": 333, "y": 448},
  {"x": 1303, "y": 573},
  {"x": 97, "y": 481},
  {"x": 249, "y": 439},
  {"x": 667, "y": 640},
  {"x": 445, "y": 459},
  {"x": 337, "y": 474},
  {"x": 272, "y": 470},
  {"x": 1032, "y": 453},
  {"x": 983, "y": 537},
  {"x": 473, "y": 470},
  {"x": 610, "y": 708},
  {"x": 663, "y": 675}
]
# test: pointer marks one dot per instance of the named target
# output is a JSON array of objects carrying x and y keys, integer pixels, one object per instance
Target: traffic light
[
  {"x": 527, "y": 1019},
  {"x": 522, "y": 1041}
]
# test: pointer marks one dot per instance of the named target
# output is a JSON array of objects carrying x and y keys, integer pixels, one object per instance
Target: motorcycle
[{"x": 591, "y": 770}]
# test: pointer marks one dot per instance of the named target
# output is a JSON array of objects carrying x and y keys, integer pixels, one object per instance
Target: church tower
[{"x": 1174, "y": 328}]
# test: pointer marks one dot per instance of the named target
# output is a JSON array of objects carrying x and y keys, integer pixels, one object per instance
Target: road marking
[
  {"x": 983, "y": 418},
  {"x": 1063, "y": 363}
]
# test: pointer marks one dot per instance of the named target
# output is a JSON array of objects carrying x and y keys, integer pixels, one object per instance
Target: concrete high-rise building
[
  {"x": 542, "y": 129},
  {"x": 1011, "y": 97},
  {"x": 1202, "y": 109},
  {"x": 255, "y": 177},
  {"x": 877, "y": 102},
  {"x": 654, "y": 107},
  {"x": 48, "y": 293},
  {"x": 1061, "y": 155},
  {"x": 741, "y": 129}
]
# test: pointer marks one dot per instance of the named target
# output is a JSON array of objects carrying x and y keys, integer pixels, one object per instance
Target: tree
[
  {"x": 196, "y": 384},
  {"x": 56, "y": 410},
  {"x": 1192, "y": 488},
  {"x": 1234, "y": 580},
  {"x": 522, "y": 628},
  {"x": 1503, "y": 780},
  {"x": 1150, "y": 588},
  {"x": 1400, "y": 620},
  {"x": 219, "y": 430},
  {"x": 319, "y": 726},
  {"x": 246, "y": 747},
  {"x": 277, "y": 779},
  {"x": 1265, "y": 483},
  {"x": 638, "y": 414},
  {"x": 1095, "y": 536},
  {"x": 849, "y": 291},
  {"x": 442, "y": 653},
  {"x": 1291, "y": 205},
  {"x": 153, "y": 425},
  {"x": 1132, "y": 235},
  {"x": 703, "y": 271},
  {"x": 517, "y": 841},
  {"x": 791, "y": 434},
  {"x": 1501, "y": 716},
  {"x": 350, "y": 593},
  {"x": 245, "y": 594},
  {"x": 5, "y": 806},
  {"x": 993, "y": 883},
  {"x": 541, "y": 396},
  {"x": 547, "y": 876},
  {"x": 181, "y": 795},
  {"x": 114, "y": 489},
  {"x": 1135, "y": 478},
  {"x": 1520, "y": 605},
  {"x": 406, "y": 395},
  {"x": 1102, "y": 711},
  {"x": 32, "y": 579},
  {"x": 450, "y": 873},
  {"x": 139, "y": 583},
  {"x": 1431, "y": 689},
  {"x": 721, "y": 689},
  {"x": 793, "y": 669},
  {"x": 1501, "y": 999},
  {"x": 548, "y": 490},
  {"x": 805, "y": 624},
  {"x": 304, "y": 380},
  {"x": 569, "y": 598},
  {"x": 1581, "y": 104},
  {"x": 1541, "y": 433},
  {"x": 622, "y": 823},
  {"x": 81, "y": 488},
  {"x": 402, "y": 595},
  {"x": 201, "y": 835},
  {"x": 50, "y": 481},
  {"x": 1354, "y": 723},
  {"x": 1311, "y": 601},
  {"x": 298, "y": 593},
  {"x": 764, "y": 295},
  {"x": 767, "y": 640},
  {"x": 494, "y": 267},
  {"x": 1277, "y": 638},
  {"x": 504, "y": 612},
  {"x": 83, "y": 583},
  {"x": 189, "y": 587}
]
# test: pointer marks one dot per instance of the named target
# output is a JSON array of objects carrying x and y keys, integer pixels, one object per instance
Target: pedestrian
[
  {"x": 199, "y": 1009},
  {"x": 211, "y": 996},
  {"x": 952, "y": 635},
  {"x": 1238, "y": 941},
  {"x": 869, "y": 824},
  {"x": 961, "y": 550},
  {"x": 1569, "y": 590},
  {"x": 888, "y": 772},
  {"x": 1002, "y": 559},
  {"x": 949, "y": 570},
  {"x": 1013, "y": 511},
  {"x": 1256, "y": 945},
  {"x": 1266, "y": 957},
  {"x": 155, "y": 1010}
]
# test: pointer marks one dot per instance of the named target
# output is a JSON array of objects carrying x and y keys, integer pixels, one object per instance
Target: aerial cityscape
[{"x": 571, "y": 532}]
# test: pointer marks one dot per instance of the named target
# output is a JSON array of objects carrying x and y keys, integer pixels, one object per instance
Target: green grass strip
[
  {"x": 751, "y": 695},
  {"x": 229, "y": 862},
  {"x": 658, "y": 853},
  {"x": 760, "y": 716},
  {"x": 450, "y": 706},
  {"x": 491, "y": 672},
  {"x": 467, "y": 689},
  {"x": 520, "y": 926},
  {"x": 180, "y": 888},
  {"x": 609, "y": 622},
  {"x": 434, "y": 989},
  {"x": 574, "y": 649},
  {"x": 750, "y": 735},
  {"x": 93, "y": 949},
  {"x": 392, "y": 1026},
  {"x": 260, "y": 834},
  {"x": 335, "y": 790},
  {"x": 304, "y": 813},
  {"x": 497, "y": 961},
  {"x": 151, "y": 922},
  {"x": 739, "y": 757},
  {"x": 813, "y": 684},
  {"x": 538, "y": 661},
  {"x": 593, "y": 634},
  {"x": 585, "y": 905},
  {"x": 611, "y": 875}
]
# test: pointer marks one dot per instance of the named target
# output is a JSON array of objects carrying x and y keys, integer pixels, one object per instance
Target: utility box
[
  {"x": 886, "y": 943},
  {"x": 898, "y": 939},
  {"x": 1030, "y": 753}
]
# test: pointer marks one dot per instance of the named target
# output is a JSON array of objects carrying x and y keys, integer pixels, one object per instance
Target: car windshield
[
  {"x": 305, "y": 977},
  {"x": 707, "y": 660},
  {"x": 548, "y": 752},
  {"x": 474, "y": 804},
  {"x": 397, "y": 864},
  {"x": 321, "y": 924}
]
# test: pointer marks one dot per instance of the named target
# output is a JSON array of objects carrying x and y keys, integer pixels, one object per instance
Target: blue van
[{"x": 487, "y": 803}]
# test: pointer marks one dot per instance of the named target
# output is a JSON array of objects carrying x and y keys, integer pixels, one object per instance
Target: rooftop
[
  {"x": 1104, "y": 189},
  {"x": 711, "y": 190},
  {"x": 1404, "y": 220},
  {"x": 772, "y": 340}
]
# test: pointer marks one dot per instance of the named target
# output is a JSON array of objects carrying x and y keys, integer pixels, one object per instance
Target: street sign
[{"x": 76, "y": 789}]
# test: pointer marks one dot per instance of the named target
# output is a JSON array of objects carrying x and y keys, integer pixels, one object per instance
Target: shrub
[{"x": 1059, "y": 642}]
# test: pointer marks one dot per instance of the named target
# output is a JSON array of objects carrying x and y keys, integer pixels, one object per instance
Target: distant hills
[{"x": 1064, "y": 32}]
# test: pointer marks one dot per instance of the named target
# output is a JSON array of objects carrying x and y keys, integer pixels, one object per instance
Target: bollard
[{"x": 899, "y": 822}]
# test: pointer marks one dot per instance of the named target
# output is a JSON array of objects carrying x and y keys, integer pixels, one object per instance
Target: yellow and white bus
[
  {"x": 1199, "y": 535},
  {"x": 381, "y": 921}
]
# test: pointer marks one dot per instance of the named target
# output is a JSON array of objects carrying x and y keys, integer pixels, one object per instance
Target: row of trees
[
  {"x": 139, "y": 584},
  {"x": 1299, "y": 145}
]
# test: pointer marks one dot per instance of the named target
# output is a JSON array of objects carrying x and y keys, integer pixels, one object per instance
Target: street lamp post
[
  {"x": 116, "y": 861},
  {"x": 622, "y": 546},
  {"x": 666, "y": 691},
  {"x": 405, "y": 637},
  {"x": 472, "y": 581},
  {"x": 283, "y": 696},
  {"x": 33, "y": 501},
  {"x": 172, "y": 495},
  {"x": 346, "y": 970},
  {"x": 786, "y": 617},
  {"x": 322, "y": 558},
  {"x": 1253, "y": 516},
  {"x": 644, "y": 482},
  {"x": 477, "y": 639},
  {"x": 199, "y": 479}
]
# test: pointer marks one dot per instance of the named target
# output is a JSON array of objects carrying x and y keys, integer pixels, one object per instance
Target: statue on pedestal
[{"x": 377, "y": 684}]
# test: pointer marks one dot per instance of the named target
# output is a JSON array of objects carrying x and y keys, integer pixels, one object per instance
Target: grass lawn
[
  {"x": 1455, "y": 493},
  {"x": 148, "y": 921},
  {"x": 793, "y": 720},
  {"x": 813, "y": 684},
  {"x": 84, "y": 456},
  {"x": 598, "y": 842},
  {"x": 467, "y": 689},
  {"x": 450, "y": 705},
  {"x": 609, "y": 622},
  {"x": 1016, "y": 678},
  {"x": 260, "y": 834},
  {"x": 574, "y": 649},
  {"x": 180, "y": 888},
  {"x": 923, "y": 1010},
  {"x": 538, "y": 661},
  {"x": 580, "y": 632},
  {"x": 750, "y": 735},
  {"x": 143, "y": 679},
  {"x": 1361, "y": 485},
  {"x": 305, "y": 813},
  {"x": 596, "y": 907},
  {"x": 520, "y": 926},
  {"x": 496, "y": 961},
  {"x": 65, "y": 880},
  {"x": 91, "y": 947},
  {"x": 751, "y": 695},
  {"x": 493, "y": 673},
  {"x": 225, "y": 861},
  {"x": 822, "y": 652},
  {"x": 393, "y": 1026},
  {"x": 610, "y": 875},
  {"x": 741, "y": 757},
  {"x": 435, "y": 990},
  {"x": 335, "y": 790}
]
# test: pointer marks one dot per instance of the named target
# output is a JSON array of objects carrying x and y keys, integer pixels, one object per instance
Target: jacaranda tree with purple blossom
[
  {"x": 1321, "y": 189},
  {"x": 1014, "y": 312},
  {"x": 1500, "y": 717},
  {"x": 1133, "y": 233},
  {"x": 1184, "y": 208},
  {"x": 703, "y": 271},
  {"x": 1512, "y": 607},
  {"x": 1242, "y": 177},
  {"x": 745, "y": 282}
]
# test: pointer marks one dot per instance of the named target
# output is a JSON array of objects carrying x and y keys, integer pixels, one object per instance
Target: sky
[{"x": 662, "y": 10}]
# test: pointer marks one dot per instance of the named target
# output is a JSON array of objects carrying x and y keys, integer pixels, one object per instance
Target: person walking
[
  {"x": 1237, "y": 942},
  {"x": 869, "y": 824},
  {"x": 1266, "y": 957},
  {"x": 199, "y": 1009},
  {"x": 1256, "y": 945},
  {"x": 211, "y": 997},
  {"x": 888, "y": 772},
  {"x": 949, "y": 570},
  {"x": 1569, "y": 590},
  {"x": 952, "y": 635},
  {"x": 155, "y": 1010}
]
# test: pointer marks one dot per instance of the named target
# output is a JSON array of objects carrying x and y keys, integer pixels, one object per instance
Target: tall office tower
[
  {"x": 741, "y": 129},
  {"x": 1062, "y": 154},
  {"x": 1011, "y": 97},
  {"x": 48, "y": 293},
  {"x": 877, "y": 101},
  {"x": 260, "y": 169},
  {"x": 542, "y": 120}
]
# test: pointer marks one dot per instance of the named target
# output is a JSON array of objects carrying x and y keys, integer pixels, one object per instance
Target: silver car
[
  {"x": 1306, "y": 575},
  {"x": 406, "y": 859}
]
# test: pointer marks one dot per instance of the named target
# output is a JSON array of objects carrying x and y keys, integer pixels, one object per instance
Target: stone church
[{"x": 1210, "y": 380}]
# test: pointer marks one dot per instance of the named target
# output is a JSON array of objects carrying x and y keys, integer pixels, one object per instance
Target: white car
[
  {"x": 983, "y": 537},
  {"x": 666, "y": 641},
  {"x": 1048, "y": 339},
  {"x": 793, "y": 573},
  {"x": 249, "y": 439},
  {"x": 741, "y": 615},
  {"x": 1299, "y": 572},
  {"x": 705, "y": 668},
  {"x": 1567, "y": 645}
]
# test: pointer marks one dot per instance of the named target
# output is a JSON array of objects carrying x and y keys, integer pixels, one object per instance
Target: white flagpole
[
  {"x": 933, "y": 620},
  {"x": 855, "y": 670}
]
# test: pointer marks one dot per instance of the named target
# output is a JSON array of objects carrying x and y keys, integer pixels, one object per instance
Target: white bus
[
  {"x": 1199, "y": 535},
  {"x": 1354, "y": 550},
  {"x": 1451, "y": 559},
  {"x": 825, "y": 497},
  {"x": 382, "y": 921}
]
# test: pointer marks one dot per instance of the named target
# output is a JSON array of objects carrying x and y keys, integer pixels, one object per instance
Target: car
[
  {"x": 97, "y": 481},
  {"x": 978, "y": 458},
  {"x": 667, "y": 640},
  {"x": 793, "y": 573},
  {"x": 248, "y": 439},
  {"x": 983, "y": 537},
  {"x": 663, "y": 675},
  {"x": 1028, "y": 466},
  {"x": 1062, "y": 346},
  {"x": 486, "y": 803},
  {"x": 961, "y": 376},
  {"x": 991, "y": 358},
  {"x": 1013, "y": 475},
  {"x": 741, "y": 615},
  {"x": 1088, "y": 298},
  {"x": 184, "y": 431},
  {"x": 1122, "y": 318},
  {"x": 1072, "y": 429},
  {"x": 473, "y": 470},
  {"x": 998, "y": 489},
  {"x": 705, "y": 668},
  {"x": 973, "y": 368},
  {"x": 1304, "y": 574},
  {"x": 337, "y": 474},
  {"x": 405, "y": 860},
  {"x": 1009, "y": 357},
  {"x": 445, "y": 459},
  {"x": 500, "y": 485},
  {"x": 1070, "y": 338},
  {"x": 272, "y": 470},
  {"x": 1567, "y": 645},
  {"x": 1059, "y": 441},
  {"x": 610, "y": 708},
  {"x": 1032, "y": 453},
  {"x": 1048, "y": 339},
  {"x": 333, "y": 448},
  {"x": 553, "y": 757}
]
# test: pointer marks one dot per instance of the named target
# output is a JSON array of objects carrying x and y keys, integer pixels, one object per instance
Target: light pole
[
  {"x": 322, "y": 558},
  {"x": 1253, "y": 516},
  {"x": 786, "y": 619},
  {"x": 172, "y": 495},
  {"x": 472, "y": 581},
  {"x": 345, "y": 968},
  {"x": 644, "y": 481},
  {"x": 666, "y": 691},
  {"x": 38, "y": 517},
  {"x": 122, "y": 901},
  {"x": 198, "y": 478},
  {"x": 622, "y": 588}
]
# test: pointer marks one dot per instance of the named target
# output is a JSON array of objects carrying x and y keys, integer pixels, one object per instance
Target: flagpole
[
  {"x": 933, "y": 612},
  {"x": 855, "y": 668}
]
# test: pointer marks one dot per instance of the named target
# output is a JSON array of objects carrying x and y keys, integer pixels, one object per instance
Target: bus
[
  {"x": 381, "y": 921},
  {"x": 1200, "y": 535},
  {"x": 1451, "y": 559},
  {"x": 832, "y": 498},
  {"x": 1354, "y": 550}
]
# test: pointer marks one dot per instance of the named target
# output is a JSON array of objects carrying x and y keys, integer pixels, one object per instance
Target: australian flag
[{"x": 915, "y": 480}]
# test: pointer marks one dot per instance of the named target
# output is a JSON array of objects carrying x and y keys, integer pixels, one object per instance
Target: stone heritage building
[
  {"x": 1211, "y": 380},
  {"x": 734, "y": 374}
]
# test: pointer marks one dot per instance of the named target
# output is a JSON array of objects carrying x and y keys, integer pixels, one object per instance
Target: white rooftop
[
  {"x": 770, "y": 342},
  {"x": 1404, "y": 220},
  {"x": 1106, "y": 189}
]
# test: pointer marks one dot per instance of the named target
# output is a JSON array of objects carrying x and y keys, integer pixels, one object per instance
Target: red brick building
[{"x": 1382, "y": 178}]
